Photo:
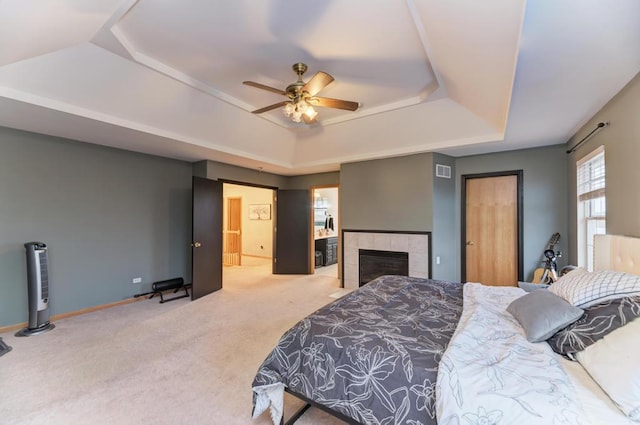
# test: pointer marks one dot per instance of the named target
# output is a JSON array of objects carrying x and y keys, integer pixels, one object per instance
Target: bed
[{"x": 404, "y": 350}]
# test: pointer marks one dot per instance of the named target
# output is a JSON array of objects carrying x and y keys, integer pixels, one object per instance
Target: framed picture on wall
[{"x": 260, "y": 212}]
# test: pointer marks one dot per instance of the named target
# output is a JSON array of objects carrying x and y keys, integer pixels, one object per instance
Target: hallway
[{"x": 257, "y": 268}]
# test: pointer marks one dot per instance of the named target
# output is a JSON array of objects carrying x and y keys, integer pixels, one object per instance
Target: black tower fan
[{"x": 38, "y": 289}]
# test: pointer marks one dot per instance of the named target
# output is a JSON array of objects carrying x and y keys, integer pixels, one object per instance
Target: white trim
[{"x": 590, "y": 155}]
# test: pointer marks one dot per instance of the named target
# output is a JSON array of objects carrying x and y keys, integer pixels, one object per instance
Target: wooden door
[
  {"x": 206, "y": 257},
  {"x": 292, "y": 232},
  {"x": 232, "y": 242},
  {"x": 491, "y": 229}
]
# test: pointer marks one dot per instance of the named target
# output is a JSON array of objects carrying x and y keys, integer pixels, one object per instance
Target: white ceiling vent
[{"x": 443, "y": 171}]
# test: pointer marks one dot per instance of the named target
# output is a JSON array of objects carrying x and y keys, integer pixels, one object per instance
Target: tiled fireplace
[{"x": 415, "y": 244}]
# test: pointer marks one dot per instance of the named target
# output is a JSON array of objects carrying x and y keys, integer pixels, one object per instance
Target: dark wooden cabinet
[{"x": 328, "y": 247}]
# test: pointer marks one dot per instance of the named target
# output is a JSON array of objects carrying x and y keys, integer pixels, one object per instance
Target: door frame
[
  {"x": 274, "y": 190},
  {"x": 463, "y": 218},
  {"x": 312, "y": 227}
]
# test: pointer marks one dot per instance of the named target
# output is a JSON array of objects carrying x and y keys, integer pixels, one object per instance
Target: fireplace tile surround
[{"x": 416, "y": 244}]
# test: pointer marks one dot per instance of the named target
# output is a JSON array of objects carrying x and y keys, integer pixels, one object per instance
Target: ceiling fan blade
[
  {"x": 333, "y": 103},
  {"x": 263, "y": 87},
  {"x": 317, "y": 83},
  {"x": 270, "y": 107}
]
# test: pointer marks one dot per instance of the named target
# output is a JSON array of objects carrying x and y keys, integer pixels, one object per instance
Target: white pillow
[
  {"x": 585, "y": 289},
  {"x": 613, "y": 362}
]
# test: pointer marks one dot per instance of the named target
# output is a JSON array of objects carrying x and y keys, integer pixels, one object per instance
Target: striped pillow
[{"x": 586, "y": 289}]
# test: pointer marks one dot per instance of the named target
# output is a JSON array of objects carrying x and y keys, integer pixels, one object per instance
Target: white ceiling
[{"x": 458, "y": 77}]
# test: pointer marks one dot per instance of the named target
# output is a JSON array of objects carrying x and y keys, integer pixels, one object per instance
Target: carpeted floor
[{"x": 183, "y": 362}]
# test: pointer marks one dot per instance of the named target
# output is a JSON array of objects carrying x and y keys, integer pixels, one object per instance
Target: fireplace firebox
[{"x": 375, "y": 263}]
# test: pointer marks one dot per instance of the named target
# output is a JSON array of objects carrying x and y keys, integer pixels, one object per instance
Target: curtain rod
[{"x": 600, "y": 126}]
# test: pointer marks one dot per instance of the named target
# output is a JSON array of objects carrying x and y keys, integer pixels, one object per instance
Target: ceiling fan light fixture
[
  {"x": 295, "y": 110},
  {"x": 288, "y": 109},
  {"x": 311, "y": 113}
]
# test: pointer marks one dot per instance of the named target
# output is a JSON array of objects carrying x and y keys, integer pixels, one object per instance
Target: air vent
[{"x": 443, "y": 171}]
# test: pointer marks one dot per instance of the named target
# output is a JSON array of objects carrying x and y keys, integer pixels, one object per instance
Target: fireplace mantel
[{"x": 416, "y": 244}]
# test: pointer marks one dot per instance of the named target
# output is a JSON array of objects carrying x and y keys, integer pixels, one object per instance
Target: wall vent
[{"x": 443, "y": 171}]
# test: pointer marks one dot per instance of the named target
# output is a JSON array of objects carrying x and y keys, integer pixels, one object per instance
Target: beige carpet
[{"x": 180, "y": 362}]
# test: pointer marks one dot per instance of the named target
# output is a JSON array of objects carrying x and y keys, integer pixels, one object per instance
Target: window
[{"x": 592, "y": 213}]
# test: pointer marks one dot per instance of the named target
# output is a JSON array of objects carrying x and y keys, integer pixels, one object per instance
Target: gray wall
[
  {"x": 544, "y": 196},
  {"x": 444, "y": 223},
  {"x": 218, "y": 170},
  {"x": 388, "y": 194},
  {"x": 403, "y": 194},
  {"x": 310, "y": 180},
  {"x": 107, "y": 216},
  {"x": 110, "y": 215},
  {"x": 621, "y": 140}
]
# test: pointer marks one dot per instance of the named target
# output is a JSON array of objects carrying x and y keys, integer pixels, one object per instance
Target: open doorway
[
  {"x": 325, "y": 207},
  {"x": 247, "y": 229}
]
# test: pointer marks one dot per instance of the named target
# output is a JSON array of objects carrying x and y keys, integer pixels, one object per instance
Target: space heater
[{"x": 38, "y": 289}]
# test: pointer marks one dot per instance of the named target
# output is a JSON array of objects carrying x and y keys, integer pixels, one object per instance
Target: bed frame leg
[
  {"x": 296, "y": 415},
  {"x": 308, "y": 403}
]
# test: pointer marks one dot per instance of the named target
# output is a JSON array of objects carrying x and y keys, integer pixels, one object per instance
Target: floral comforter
[
  {"x": 490, "y": 373},
  {"x": 372, "y": 355}
]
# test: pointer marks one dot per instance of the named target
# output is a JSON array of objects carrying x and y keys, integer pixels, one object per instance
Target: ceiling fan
[{"x": 302, "y": 96}]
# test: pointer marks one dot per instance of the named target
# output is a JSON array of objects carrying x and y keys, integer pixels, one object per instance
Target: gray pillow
[
  {"x": 541, "y": 314},
  {"x": 530, "y": 287}
]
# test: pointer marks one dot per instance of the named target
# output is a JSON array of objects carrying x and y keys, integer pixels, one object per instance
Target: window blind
[{"x": 591, "y": 176}]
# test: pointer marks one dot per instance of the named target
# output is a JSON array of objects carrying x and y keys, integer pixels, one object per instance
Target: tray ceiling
[{"x": 165, "y": 77}]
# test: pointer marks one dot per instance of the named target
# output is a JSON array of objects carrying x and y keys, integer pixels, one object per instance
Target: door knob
[
  {"x": 469, "y": 242},
  {"x": 196, "y": 244}
]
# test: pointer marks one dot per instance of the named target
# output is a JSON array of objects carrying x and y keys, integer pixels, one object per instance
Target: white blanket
[{"x": 490, "y": 373}]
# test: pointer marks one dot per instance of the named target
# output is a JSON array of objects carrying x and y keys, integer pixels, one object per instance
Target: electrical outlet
[{"x": 137, "y": 280}]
